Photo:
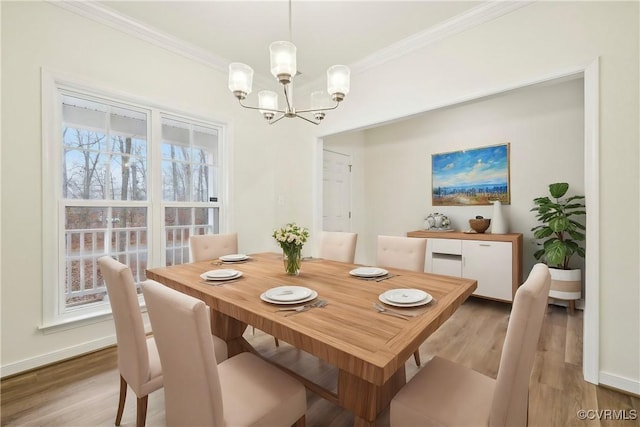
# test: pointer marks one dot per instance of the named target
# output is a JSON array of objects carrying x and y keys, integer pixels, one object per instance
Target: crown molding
[
  {"x": 473, "y": 17},
  {"x": 483, "y": 13},
  {"x": 478, "y": 15},
  {"x": 113, "y": 19}
]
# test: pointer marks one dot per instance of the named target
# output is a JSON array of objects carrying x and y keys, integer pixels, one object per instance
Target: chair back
[
  {"x": 211, "y": 246},
  {"x": 133, "y": 354},
  {"x": 182, "y": 331},
  {"x": 511, "y": 396},
  {"x": 338, "y": 246},
  {"x": 407, "y": 253}
]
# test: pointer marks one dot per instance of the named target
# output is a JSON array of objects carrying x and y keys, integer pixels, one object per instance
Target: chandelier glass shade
[{"x": 284, "y": 68}]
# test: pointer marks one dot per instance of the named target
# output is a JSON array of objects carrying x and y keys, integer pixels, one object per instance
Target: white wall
[
  {"x": 545, "y": 128},
  {"x": 536, "y": 41},
  {"x": 39, "y": 34}
]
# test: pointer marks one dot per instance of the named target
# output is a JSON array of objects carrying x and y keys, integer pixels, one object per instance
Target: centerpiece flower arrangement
[{"x": 291, "y": 238}]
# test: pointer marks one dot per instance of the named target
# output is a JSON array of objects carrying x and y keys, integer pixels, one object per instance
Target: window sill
[
  {"x": 82, "y": 320},
  {"x": 75, "y": 322}
]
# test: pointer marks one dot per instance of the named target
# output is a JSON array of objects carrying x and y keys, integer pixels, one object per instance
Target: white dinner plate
[
  {"x": 288, "y": 293},
  {"x": 233, "y": 258},
  {"x": 425, "y": 301},
  {"x": 221, "y": 274},
  {"x": 313, "y": 296},
  {"x": 368, "y": 272},
  {"x": 405, "y": 296}
]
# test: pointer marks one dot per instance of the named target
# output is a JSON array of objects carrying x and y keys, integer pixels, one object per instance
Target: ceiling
[{"x": 325, "y": 32}]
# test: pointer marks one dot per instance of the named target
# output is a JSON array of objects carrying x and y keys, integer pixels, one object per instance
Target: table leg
[
  {"x": 367, "y": 400},
  {"x": 230, "y": 330}
]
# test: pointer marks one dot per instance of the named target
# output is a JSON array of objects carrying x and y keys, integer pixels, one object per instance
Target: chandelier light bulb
[
  {"x": 267, "y": 100},
  {"x": 338, "y": 82},
  {"x": 240, "y": 79},
  {"x": 283, "y": 61},
  {"x": 319, "y": 101}
]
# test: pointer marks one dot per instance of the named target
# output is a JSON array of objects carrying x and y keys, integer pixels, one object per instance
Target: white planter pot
[{"x": 565, "y": 284}]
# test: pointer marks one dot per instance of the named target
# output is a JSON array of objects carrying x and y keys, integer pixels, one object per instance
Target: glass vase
[{"x": 292, "y": 258}]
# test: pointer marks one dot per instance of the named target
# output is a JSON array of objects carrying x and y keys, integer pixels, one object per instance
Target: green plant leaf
[
  {"x": 559, "y": 224},
  {"x": 538, "y": 254},
  {"x": 558, "y": 189},
  {"x": 543, "y": 232},
  {"x": 576, "y": 235},
  {"x": 555, "y": 252}
]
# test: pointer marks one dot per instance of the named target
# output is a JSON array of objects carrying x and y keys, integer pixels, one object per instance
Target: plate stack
[
  {"x": 368, "y": 272},
  {"x": 221, "y": 274},
  {"x": 405, "y": 297},
  {"x": 288, "y": 295},
  {"x": 234, "y": 258}
]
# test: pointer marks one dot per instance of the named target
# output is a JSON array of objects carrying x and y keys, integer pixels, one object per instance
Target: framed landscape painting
[{"x": 471, "y": 177}]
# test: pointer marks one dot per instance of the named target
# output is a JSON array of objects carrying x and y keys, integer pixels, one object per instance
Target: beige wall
[
  {"x": 532, "y": 43},
  {"x": 544, "y": 125},
  {"x": 40, "y": 34}
]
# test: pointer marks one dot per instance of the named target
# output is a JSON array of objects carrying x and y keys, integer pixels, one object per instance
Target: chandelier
[{"x": 284, "y": 68}]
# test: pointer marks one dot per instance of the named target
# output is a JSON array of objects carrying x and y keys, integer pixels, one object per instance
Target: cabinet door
[{"x": 490, "y": 264}]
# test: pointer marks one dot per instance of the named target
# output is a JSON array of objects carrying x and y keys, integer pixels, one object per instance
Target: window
[
  {"x": 116, "y": 188},
  {"x": 104, "y": 193},
  {"x": 190, "y": 179}
]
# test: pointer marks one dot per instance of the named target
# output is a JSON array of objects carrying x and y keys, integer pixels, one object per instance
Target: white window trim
[{"x": 53, "y": 319}]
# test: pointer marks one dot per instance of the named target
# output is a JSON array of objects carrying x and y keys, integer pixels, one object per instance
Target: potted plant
[{"x": 561, "y": 237}]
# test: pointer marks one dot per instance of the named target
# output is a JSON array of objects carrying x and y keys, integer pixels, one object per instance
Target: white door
[{"x": 336, "y": 191}]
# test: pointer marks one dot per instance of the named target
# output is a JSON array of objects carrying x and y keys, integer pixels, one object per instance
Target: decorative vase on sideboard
[{"x": 498, "y": 222}]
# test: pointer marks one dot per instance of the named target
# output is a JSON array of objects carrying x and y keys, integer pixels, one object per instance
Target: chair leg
[
  {"x": 123, "y": 397},
  {"x": 416, "y": 357},
  {"x": 300, "y": 422},
  {"x": 142, "y": 411},
  {"x": 277, "y": 342},
  {"x": 572, "y": 306}
]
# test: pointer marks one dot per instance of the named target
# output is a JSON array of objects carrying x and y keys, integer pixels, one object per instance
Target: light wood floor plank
[{"x": 84, "y": 391}]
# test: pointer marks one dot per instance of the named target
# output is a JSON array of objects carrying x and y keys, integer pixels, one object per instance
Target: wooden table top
[{"x": 348, "y": 333}]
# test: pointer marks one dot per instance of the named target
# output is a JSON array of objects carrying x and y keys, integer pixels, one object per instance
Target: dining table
[{"x": 367, "y": 346}]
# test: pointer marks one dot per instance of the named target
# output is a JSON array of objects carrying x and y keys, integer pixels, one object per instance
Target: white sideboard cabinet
[{"x": 494, "y": 260}]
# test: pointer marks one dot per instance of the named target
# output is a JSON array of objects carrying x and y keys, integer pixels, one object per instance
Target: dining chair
[
  {"x": 138, "y": 360},
  {"x": 243, "y": 390},
  {"x": 338, "y": 246},
  {"x": 204, "y": 247},
  {"x": 407, "y": 253},
  {"x": 444, "y": 393}
]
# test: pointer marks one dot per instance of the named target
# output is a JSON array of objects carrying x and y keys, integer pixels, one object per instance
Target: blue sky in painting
[{"x": 479, "y": 166}]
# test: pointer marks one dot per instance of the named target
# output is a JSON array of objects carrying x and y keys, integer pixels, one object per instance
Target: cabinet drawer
[
  {"x": 449, "y": 265},
  {"x": 445, "y": 246}
]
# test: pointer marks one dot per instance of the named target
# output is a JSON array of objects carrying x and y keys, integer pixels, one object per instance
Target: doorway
[{"x": 336, "y": 191}]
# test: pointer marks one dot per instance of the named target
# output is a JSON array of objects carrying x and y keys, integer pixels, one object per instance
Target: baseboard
[
  {"x": 56, "y": 356},
  {"x": 617, "y": 382}
]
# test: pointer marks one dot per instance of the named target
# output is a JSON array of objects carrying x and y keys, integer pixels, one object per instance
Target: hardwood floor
[{"x": 84, "y": 391}]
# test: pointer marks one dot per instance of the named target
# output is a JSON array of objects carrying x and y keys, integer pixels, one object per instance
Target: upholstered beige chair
[
  {"x": 212, "y": 246},
  {"x": 338, "y": 246},
  {"x": 444, "y": 393},
  {"x": 241, "y": 391},
  {"x": 407, "y": 253},
  {"x": 138, "y": 359}
]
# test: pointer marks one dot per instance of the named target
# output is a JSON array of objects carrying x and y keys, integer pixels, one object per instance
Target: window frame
[{"x": 55, "y": 314}]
